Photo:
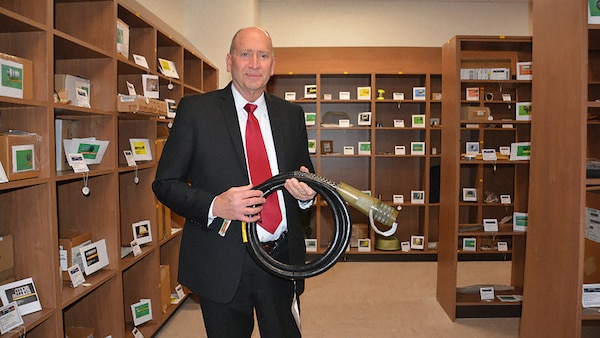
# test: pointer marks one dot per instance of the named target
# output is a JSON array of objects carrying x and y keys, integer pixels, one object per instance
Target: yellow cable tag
[{"x": 244, "y": 233}]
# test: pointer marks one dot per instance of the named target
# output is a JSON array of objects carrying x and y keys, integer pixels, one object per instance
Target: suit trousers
[{"x": 270, "y": 296}]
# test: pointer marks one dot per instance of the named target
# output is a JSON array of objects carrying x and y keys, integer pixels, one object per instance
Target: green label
[
  {"x": 12, "y": 77},
  {"x": 89, "y": 151},
  {"x": 142, "y": 310},
  {"x": 24, "y": 159}
]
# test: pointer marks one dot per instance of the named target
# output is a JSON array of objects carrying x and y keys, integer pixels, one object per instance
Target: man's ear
[{"x": 228, "y": 62}]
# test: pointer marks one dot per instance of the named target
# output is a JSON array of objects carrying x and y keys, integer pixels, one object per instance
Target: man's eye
[{"x": 245, "y": 54}]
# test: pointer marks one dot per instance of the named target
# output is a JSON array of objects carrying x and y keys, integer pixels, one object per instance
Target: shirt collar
[{"x": 240, "y": 101}]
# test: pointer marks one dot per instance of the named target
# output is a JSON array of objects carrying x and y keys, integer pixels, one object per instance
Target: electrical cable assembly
[{"x": 336, "y": 197}]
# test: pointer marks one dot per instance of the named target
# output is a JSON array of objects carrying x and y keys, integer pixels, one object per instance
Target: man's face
[{"x": 251, "y": 62}]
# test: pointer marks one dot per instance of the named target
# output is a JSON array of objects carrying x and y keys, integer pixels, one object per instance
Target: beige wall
[{"x": 209, "y": 25}]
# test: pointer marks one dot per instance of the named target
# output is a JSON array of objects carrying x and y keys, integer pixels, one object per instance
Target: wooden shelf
[
  {"x": 49, "y": 34},
  {"x": 380, "y": 172},
  {"x": 500, "y": 177},
  {"x": 571, "y": 47}
]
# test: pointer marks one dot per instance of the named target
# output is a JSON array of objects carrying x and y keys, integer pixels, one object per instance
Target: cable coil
[{"x": 342, "y": 224}]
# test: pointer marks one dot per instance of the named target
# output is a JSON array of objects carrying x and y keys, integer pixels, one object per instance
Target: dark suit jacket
[{"x": 205, "y": 149}]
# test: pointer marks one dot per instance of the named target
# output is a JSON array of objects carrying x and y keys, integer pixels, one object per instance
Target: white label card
[
  {"x": 591, "y": 295},
  {"x": 3, "y": 177},
  {"x": 137, "y": 333},
  {"x": 489, "y": 154},
  {"x": 344, "y": 123},
  {"x": 131, "y": 88},
  {"x": 136, "y": 248},
  {"x": 10, "y": 317},
  {"x": 490, "y": 224},
  {"x": 140, "y": 61},
  {"x": 129, "y": 157},
  {"x": 486, "y": 293},
  {"x": 77, "y": 162},
  {"x": 76, "y": 275},
  {"x": 180, "y": 292}
]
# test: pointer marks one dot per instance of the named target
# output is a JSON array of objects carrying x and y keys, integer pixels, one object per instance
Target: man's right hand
[{"x": 239, "y": 203}]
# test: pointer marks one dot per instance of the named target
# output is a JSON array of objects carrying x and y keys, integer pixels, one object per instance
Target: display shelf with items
[
  {"x": 169, "y": 254},
  {"x": 76, "y": 127},
  {"x": 31, "y": 232},
  {"x": 354, "y": 141},
  {"x": 170, "y": 64},
  {"x": 99, "y": 201},
  {"x": 484, "y": 184},
  {"x": 71, "y": 15},
  {"x": 26, "y": 192},
  {"x": 64, "y": 86},
  {"x": 139, "y": 285},
  {"x": 82, "y": 311}
]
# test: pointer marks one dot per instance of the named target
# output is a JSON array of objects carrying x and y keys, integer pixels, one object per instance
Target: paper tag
[
  {"x": 398, "y": 123},
  {"x": 140, "y": 61},
  {"x": 486, "y": 293},
  {"x": 137, "y": 333},
  {"x": 489, "y": 154},
  {"x": 405, "y": 246},
  {"x": 490, "y": 224},
  {"x": 591, "y": 295},
  {"x": 10, "y": 317},
  {"x": 3, "y": 177},
  {"x": 180, "y": 292},
  {"x": 136, "y": 248},
  {"x": 129, "y": 157},
  {"x": 296, "y": 313},
  {"x": 398, "y": 199},
  {"x": 62, "y": 258},
  {"x": 344, "y": 123},
  {"x": 130, "y": 88},
  {"x": 76, "y": 275},
  {"x": 77, "y": 162}
]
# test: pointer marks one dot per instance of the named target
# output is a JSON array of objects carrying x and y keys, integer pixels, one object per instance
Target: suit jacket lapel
[
  {"x": 277, "y": 118},
  {"x": 229, "y": 113}
]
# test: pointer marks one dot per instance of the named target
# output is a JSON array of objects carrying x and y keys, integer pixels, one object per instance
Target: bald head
[{"x": 253, "y": 30}]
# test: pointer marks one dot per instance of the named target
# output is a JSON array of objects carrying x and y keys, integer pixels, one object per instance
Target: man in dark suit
[{"x": 204, "y": 175}]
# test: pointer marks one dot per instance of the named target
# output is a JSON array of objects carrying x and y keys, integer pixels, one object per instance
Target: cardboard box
[
  {"x": 17, "y": 77},
  {"x": 359, "y": 231},
  {"x": 19, "y": 154},
  {"x": 7, "y": 261},
  {"x": 71, "y": 241},
  {"x": 470, "y": 113},
  {"x": 78, "y": 89},
  {"x": 141, "y": 104},
  {"x": 79, "y": 332},
  {"x": 165, "y": 288},
  {"x": 164, "y": 220}
]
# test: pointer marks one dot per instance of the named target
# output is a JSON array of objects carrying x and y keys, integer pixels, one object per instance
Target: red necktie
[{"x": 260, "y": 170}]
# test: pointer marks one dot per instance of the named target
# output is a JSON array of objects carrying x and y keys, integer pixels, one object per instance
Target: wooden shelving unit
[
  {"x": 559, "y": 257},
  {"x": 460, "y": 219},
  {"x": 79, "y": 38},
  {"x": 382, "y": 172}
]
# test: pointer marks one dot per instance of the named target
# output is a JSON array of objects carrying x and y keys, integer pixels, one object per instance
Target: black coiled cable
[{"x": 342, "y": 224}]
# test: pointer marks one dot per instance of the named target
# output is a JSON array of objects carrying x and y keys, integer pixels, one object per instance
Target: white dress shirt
[{"x": 265, "y": 128}]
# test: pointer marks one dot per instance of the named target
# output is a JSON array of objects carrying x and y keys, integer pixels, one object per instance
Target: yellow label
[{"x": 244, "y": 233}]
